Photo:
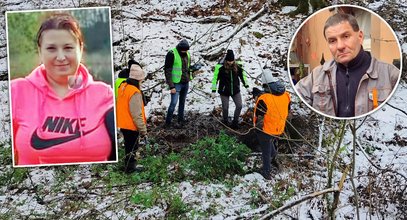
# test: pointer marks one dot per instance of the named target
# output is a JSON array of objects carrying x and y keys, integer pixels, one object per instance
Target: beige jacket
[
  {"x": 315, "y": 88},
  {"x": 137, "y": 113}
]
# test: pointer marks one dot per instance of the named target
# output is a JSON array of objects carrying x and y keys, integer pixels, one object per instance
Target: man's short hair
[{"x": 340, "y": 17}]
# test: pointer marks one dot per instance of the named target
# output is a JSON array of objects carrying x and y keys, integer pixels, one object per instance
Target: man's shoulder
[
  {"x": 320, "y": 70},
  {"x": 328, "y": 65},
  {"x": 382, "y": 67},
  {"x": 380, "y": 63}
]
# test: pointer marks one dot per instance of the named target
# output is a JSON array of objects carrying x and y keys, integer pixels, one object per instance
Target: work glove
[
  {"x": 142, "y": 140},
  {"x": 195, "y": 67}
]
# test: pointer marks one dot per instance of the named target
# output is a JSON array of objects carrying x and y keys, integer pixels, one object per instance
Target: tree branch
[
  {"x": 206, "y": 20},
  {"x": 401, "y": 110},
  {"x": 237, "y": 29},
  {"x": 298, "y": 201}
]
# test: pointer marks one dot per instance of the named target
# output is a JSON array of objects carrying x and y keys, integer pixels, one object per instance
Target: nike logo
[{"x": 41, "y": 143}]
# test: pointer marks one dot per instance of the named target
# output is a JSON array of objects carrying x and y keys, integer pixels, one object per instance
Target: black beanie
[
  {"x": 230, "y": 56},
  {"x": 183, "y": 45},
  {"x": 124, "y": 73},
  {"x": 256, "y": 92},
  {"x": 131, "y": 62}
]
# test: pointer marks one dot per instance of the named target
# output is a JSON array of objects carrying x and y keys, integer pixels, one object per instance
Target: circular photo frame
[{"x": 345, "y": 62}]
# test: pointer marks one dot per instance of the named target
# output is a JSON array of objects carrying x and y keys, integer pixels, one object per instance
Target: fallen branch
[
  {"x": 181, "y": 33},
  {"x": 298, "y": 201},
  {"x": 205, "y": 20},
  {"x": 386, "y": 169},
  {"x": 401, "y": 110},
  {"x": 250, "y": 214},
  {"x": 237, "y": 29}
]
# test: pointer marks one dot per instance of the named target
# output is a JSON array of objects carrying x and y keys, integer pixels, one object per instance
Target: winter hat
[
  {"x": 136, "y": 72},
  {"x": 124, "y": 73},
  {"x": 230, "y": 56},
  {"x": 267, "y": 77},
  {"x": 276, "y": 88},
  {"x": 131, "y": 62},
  {"x": 183, "y": 45},
  {"x": 256, "y": 92}
]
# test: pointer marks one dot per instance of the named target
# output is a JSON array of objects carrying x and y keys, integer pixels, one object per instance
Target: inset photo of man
[{"x": 345, "y": 61}]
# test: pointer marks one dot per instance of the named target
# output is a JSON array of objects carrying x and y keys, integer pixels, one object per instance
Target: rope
[{"x": 253, "y": 128}]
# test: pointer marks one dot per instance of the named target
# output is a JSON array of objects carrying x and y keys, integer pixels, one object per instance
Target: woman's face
[{"x": 60, "y": 52}]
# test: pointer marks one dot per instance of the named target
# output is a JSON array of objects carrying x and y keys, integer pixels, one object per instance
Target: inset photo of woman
[{"x": 61, "y": 96}]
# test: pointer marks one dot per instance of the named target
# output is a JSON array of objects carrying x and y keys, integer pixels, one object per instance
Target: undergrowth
[{"x": 211, "y": 158}]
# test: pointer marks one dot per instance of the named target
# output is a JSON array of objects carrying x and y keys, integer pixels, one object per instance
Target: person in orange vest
[
  {"x": 270, "y": 114},
  {"x": 131, "y": 118}
]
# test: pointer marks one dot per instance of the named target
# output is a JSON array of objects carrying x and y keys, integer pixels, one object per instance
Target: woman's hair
[
  {"x": 232, "y": 66},
  {"x": 61, "y": 21}
]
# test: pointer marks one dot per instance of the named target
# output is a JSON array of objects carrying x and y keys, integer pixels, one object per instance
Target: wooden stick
[{"x": 298, "y": 201}]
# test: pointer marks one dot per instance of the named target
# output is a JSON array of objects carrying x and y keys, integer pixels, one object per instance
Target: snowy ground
[{"x": 382, "y": 136}]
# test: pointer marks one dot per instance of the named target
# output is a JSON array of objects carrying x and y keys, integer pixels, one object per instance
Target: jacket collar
[
  {"x": 372, "y": 74},
  {"x": 331, "y": 66}
]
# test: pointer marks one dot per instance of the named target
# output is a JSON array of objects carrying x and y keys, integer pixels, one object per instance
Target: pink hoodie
[{"x": 50, "y": 130}]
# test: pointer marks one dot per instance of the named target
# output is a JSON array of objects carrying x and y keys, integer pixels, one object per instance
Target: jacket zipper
[
  {"x": 347, "y": 90},
  {"x": 231, "y": 82}
]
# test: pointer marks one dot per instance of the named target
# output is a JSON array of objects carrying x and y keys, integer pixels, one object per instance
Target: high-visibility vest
[
  {"x": 177, "y": 66},
  {"x": 276, "y": 114},
  {"x": 117, "y": 85},
  {"x": 124, "y": 118}
]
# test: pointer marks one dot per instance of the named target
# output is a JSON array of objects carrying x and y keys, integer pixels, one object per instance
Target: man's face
[{"x": 343, "y": 42}]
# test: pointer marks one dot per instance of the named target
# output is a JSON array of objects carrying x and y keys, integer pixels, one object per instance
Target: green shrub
[
  {"x": 146, "y": 198},
  {"x": 162, "y": 168},
  {"x": 258, "y": 35},
  {"x": 282, "y": 194},
  {"x": 176, "y": 207},
  {"x": 215, "y": 157},
  {"x": 208, "y": 159}
]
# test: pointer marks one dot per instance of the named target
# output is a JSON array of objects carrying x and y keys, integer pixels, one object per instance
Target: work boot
[
  {"x": 225, "y": 122},
  {"x": 235, "y": 124},
  {"x": 182, "y": 123},
  {"x": 275, "y": 163},
  {"x": 129, "y": 163},
  {"x": 167, "y": 126},
  {"x": 131, "y": 167},
  {"x": 266, "y": 175}
]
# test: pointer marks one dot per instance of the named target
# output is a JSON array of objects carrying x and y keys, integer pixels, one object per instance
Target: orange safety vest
[
  {"x": 277, "y": 112},
  {"x": 124, "y": 118}
]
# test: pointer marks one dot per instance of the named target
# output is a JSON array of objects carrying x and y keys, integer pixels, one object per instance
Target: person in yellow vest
[
  {"x": 131, "y": 118},
  {"x": 270, "y": 114},
  {"x": 227, "y": 75},
  {"x": 177, "y": 75}
]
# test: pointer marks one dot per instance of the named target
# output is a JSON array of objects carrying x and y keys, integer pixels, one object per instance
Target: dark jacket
[
  {"x": 347, "y": 82},
  {"x": 228, "y": 80}
]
